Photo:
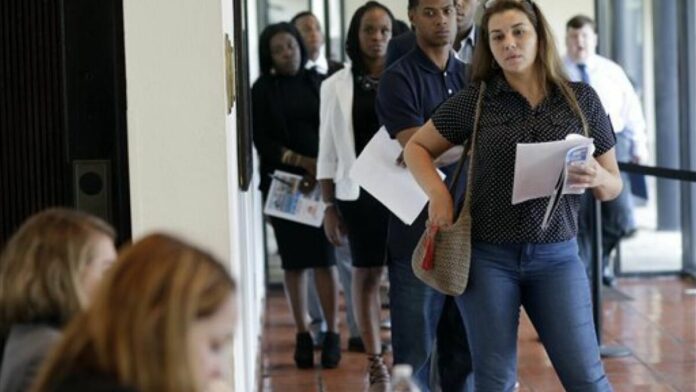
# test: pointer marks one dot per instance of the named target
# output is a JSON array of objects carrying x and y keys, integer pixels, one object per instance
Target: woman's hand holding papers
[
  {"x": 309, "y": 165},
  {"x": 585, "y": 175},
  {"x": 601, "y": 175}
]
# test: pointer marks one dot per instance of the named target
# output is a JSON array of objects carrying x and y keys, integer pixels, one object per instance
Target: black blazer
[{"x": 270, "y": 129}]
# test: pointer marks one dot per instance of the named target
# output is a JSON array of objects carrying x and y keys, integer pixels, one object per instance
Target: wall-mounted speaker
[{"x": 92, "y": 182}]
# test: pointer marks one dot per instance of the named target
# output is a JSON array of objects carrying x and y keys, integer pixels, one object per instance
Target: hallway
[{"x": 656, "y": 319}]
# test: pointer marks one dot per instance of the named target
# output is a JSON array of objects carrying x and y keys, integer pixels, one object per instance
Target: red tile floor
[{"x": 658, "y": 325}]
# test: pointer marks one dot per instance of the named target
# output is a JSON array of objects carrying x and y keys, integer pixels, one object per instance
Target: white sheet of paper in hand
[
  {"x": 537, "y": 166},
  {"x": 376, "y": 171}
]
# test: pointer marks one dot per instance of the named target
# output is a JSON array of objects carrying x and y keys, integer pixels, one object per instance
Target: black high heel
[
  {"x": 304, "y": 350},
  {"x": 331, "y": 350}
]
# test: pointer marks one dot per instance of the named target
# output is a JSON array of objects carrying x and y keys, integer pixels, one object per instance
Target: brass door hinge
[{"x": 229, "y": 73}]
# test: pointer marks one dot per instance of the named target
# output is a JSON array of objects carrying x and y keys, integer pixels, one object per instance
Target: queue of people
[
  {"x": 425, "y": 90},
  {"x": 160, "y": 314}
]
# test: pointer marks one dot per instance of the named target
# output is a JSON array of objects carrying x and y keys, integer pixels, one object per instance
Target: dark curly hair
[
  {"x": 265, "y": 58},
  {"x": 353, "y": 36}
]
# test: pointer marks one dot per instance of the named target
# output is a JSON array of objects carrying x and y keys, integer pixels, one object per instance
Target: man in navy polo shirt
[
  {"x": 464, "y": 41},
  {"x": 409, "y": 92}
]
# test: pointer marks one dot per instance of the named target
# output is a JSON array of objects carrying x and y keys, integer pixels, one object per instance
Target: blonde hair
[
  {"x": 137, "y": 326},
  {"x": 41, "y": 264},
  {"x": 551, "y": 69}
]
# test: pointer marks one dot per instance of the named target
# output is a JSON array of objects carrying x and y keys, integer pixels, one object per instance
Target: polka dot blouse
[{"x": 506, "y": 120}]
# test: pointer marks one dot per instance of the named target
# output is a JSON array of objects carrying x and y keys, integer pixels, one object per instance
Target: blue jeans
[
  {"x": 415, "y": 312},
  {"x": 550, "y": 282}
]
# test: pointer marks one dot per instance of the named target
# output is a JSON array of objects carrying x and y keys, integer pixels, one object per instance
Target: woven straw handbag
[{"x": 442, "y": 256}]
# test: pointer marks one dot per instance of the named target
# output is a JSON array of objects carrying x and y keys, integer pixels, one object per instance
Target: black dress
[
  {"x": 366, "y": 218},
  {"x": 286, "y": 115}
]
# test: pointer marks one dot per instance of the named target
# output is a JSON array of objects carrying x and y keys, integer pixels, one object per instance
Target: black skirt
[
  {"x": 366, "y": 220},
  {"x": 302, "y": 246}
]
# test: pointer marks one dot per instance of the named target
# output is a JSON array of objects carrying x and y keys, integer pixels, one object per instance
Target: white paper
[
  {"x": 376, "y": 171},
  {"x": 449, "y": 157},
  {"x": 538, "y": 165},
  {"x": 286, "y": 201}
]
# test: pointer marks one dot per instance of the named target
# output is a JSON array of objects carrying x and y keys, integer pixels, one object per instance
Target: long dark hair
[
  {"x": 265, "y": 58},
  {"x": 353, "y": 37}
]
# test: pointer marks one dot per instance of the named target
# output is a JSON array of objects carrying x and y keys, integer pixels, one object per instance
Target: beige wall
[
  {"x": 558, "y": 12},
  {"x": 182, "y": 149}
]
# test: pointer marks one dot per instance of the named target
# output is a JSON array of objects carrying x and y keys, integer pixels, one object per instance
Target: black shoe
[
  {"x": 630, "y": 233},
  {"x": 609, "y": 281},
  {"x": 608, "y": 276},
  {"x": 331, "y": 350},
  {"x": 304, "y": 350},
  {"x": 356, "y": 345}
]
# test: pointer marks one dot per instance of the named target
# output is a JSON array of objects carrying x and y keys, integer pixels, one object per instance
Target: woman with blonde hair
[
  {"x": 161, "y": 321},
  {"x": 520, "y": 94},
  {"x": 48, "y": 272}
]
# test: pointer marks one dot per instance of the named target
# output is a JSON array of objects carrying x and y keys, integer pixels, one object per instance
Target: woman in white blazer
[{"x": 347, "y": 122}]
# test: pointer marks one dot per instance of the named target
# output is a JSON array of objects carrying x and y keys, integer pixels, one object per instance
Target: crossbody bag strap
[{"x": 469, "y": 145}]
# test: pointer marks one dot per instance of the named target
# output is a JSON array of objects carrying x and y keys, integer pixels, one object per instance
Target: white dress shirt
[
  {"x": 466, "y": 50},
  {"x": 618, "y": 97},
  {"x": 321, "y": 64}
]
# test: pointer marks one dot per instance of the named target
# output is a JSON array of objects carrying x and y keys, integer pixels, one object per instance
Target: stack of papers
[{"x": 541, "y": 170}]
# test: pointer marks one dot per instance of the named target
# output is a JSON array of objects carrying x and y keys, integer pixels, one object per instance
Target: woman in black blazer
[{"x": 286, "y": 135}]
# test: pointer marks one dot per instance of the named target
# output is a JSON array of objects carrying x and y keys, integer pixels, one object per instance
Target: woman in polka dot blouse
[{"x": 526, "y": 98}]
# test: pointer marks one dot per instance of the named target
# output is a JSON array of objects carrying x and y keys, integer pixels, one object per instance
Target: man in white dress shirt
[
  {"x": 623, "y": 106},
  {"x": 465, "y": 40},
  {"x": 310, "y": 30}
]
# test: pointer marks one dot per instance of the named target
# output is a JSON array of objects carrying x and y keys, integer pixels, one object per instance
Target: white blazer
[{"x": 336, "y": 134}]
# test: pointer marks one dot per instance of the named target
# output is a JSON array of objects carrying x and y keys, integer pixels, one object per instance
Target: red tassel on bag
[{"x": 429, "y": 257}]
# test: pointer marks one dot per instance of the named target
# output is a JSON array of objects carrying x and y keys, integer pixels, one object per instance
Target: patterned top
[{"x": 508, "y": 119}]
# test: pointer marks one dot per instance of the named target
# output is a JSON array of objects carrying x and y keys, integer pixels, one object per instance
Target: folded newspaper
[
  {"x": 285, "y": 200},
  {"x": 575, "y": 156}
]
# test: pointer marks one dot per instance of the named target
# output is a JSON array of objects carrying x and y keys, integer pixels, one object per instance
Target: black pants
[
  {"x": 454, "y": 368},
  {"x": 617, "y": 215}
]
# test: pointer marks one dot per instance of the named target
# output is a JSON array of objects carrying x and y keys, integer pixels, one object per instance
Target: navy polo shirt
[{"x": 410, "y": 91}]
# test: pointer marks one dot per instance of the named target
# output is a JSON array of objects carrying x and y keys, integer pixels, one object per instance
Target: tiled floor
[{"x": 658, "y": 325}]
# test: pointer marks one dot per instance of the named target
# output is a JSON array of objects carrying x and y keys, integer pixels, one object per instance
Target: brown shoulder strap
[{"x": 469, "y": 144}]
